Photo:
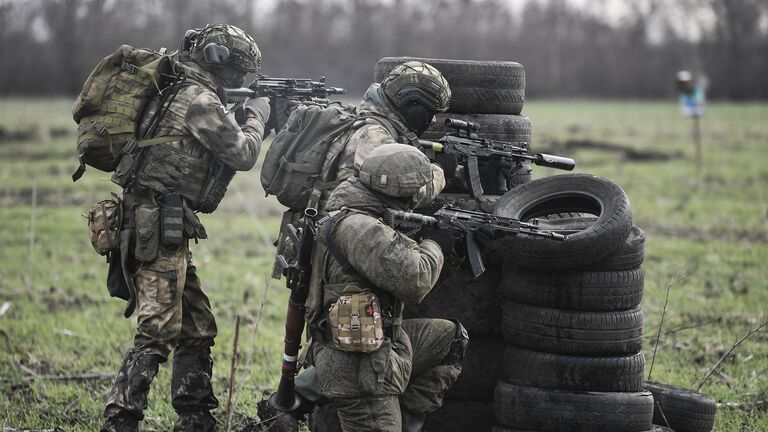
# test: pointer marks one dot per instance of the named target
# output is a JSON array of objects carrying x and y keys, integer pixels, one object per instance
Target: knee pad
[{"x": 459, "y": 344}]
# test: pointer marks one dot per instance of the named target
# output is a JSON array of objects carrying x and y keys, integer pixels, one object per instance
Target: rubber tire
[
  {"x": 582, "y": 193},
  {"x": 480, "y": 370},
  {"x": 654, "y": 428},
  {"x": 486, "y": 87},
  {"x": 462, "y": 416},
  {"x": 559, "y": 372},
  {"x": 574, "y": 290},
  {"x": 560, "y": 331},
  {"x": 685, "y": 410},
  {"x": 479, "y": 310},
  {"x": 555, "y": 410},
  {"x": 499, "y": 127},
  {"x": 629, "y": 256}
]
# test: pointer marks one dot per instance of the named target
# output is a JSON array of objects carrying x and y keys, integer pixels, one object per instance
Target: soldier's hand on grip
[
  {"x": 259, "y": 107},
  {"x": 443, "y": 238}
]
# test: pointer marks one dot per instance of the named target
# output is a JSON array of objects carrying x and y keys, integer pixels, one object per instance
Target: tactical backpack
[
  {"x": 111, "y": 103},
  {"x": 303, "y": 153}
]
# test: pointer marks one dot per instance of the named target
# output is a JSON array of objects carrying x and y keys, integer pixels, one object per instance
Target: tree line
[{"x": 48, "y": 47}]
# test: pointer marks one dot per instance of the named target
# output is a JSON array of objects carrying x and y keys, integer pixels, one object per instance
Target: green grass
[{"x": 707, "y": 239}]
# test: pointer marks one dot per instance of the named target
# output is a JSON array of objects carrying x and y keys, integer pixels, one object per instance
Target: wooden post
[
  {"x": 232, "y": 369},
  {"x": 697, "y": 140}
]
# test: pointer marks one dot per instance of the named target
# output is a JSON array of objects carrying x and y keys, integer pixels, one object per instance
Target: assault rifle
[
  {"x": 470, "y": 148},
  {"x": 465, "y": 224},
  {"x": 297, "y": 277},
  {"x": 302, "y": 90},
  {"x": 299, "y": 89}
]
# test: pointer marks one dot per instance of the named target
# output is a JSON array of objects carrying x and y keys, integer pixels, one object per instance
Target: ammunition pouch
[
  {"x": 355, "y": 321},
  {"x": 172, "y": 220}
]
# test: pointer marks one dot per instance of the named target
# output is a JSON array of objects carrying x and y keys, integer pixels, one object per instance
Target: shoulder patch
[{"x": 222, "y": 110}]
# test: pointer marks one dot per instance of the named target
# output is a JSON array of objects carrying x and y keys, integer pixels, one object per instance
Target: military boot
[
  {"x": 127, "y": 399},
  {"x": 191, "y": 389}
]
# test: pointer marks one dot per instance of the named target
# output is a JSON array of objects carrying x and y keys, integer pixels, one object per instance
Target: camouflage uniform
[
  {"x": 373, "y": 133},
  {"x": 396, "y": 386},
  {"x": 173, "y": 312}
]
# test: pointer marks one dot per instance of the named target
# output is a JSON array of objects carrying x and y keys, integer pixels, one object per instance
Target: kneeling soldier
[{"x": 381, "y": 372}]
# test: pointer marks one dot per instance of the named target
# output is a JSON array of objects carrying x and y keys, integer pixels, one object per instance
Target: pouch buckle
[{"x": 354, "y": 321}]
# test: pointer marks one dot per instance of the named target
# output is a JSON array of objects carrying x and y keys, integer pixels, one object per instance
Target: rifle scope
[{"x": 462, "y": 125}]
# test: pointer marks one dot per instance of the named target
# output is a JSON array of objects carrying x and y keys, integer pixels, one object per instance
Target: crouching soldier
[
  {"x": 382, "y": 373},
  {"x": 200, "y": 147}
]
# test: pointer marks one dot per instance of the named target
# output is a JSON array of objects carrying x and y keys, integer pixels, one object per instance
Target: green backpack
[
  {"x": 111, "y": 103},
  {"x": 304, "y": 152}
]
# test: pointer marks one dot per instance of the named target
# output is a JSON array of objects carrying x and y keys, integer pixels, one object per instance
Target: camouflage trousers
[
  {"x": 433, "y": 372},
  {"x": 173, "y": 314},
  {"x": 172, "y": 308}
]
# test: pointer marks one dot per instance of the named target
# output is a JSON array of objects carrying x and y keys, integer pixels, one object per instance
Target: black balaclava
[{"x": 417, "y": 117}]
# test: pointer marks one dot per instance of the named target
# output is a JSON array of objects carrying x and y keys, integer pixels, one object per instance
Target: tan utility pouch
[
  {"x": 104, "y": 219},
  {"x": 355, "y": 321}
]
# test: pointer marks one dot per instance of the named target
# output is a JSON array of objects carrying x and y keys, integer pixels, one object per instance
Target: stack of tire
[
  {"x": 571, "y": 318},
  {"x": 490, "y": 93}
]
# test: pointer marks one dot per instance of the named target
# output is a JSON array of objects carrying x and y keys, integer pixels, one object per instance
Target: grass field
[{"x": 707, "y": 241}]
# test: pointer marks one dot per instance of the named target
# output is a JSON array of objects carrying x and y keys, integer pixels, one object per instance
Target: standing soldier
[
  {"x": 162, "y": 190},
  {"x": 382, "y": 373}
]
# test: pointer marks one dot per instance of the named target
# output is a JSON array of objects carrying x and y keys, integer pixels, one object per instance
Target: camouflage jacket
[
  {"x": 378, "y": 256},
  {"x": 373, "y": 133},
  {"x": 209, "y": 133}
]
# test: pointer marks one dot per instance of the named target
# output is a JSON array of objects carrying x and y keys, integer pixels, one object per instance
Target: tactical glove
[{"x": 259, "y": 107}]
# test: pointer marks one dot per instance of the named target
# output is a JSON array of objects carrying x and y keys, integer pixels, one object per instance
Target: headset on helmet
[{"x": 222, "y": 45}]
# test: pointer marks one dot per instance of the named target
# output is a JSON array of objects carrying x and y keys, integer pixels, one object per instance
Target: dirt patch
[
  {"x": 24, "y": 134},
  {"x": 60, "y": 132},
  {"x": 626, "y": 152}
]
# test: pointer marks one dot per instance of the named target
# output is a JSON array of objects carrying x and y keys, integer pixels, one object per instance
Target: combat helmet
[
  {"x": 220, "y": 45},
  {"x": 416, "y": 81},
  {"x": 396, "y": 170}
]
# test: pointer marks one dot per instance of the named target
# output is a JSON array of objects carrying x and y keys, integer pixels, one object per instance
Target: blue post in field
[{"x": 692, "y": 100}]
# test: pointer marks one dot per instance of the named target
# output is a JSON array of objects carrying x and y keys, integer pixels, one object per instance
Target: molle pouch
[
  {"x": 172, "y": 219},
  {"x": 355, "y": 321},
  {"x": 104, "y": 219},
  {"x": 147, "y": 233}
]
